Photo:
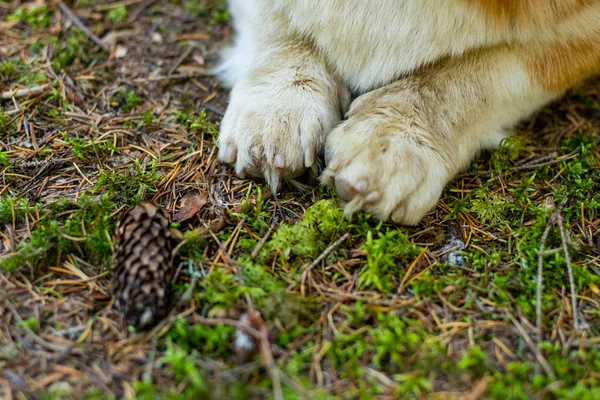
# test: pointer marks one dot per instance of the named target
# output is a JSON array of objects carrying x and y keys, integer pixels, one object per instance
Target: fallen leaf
[{"x": 191, "y": 204}]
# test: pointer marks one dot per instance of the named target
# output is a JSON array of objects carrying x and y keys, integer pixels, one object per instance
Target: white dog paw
[{"x": 276, "y": 124}]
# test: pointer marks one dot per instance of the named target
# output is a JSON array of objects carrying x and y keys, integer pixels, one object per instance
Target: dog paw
[
  {"x": 384, "y": 161},
  {"x": 276, "y": 123}
]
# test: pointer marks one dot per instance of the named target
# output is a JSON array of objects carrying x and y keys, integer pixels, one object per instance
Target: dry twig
[
  {"x": 577, "y": 324},
  {"x": 320, "y": 258},
  {"x": 71, "y": 15},
  {"x": 540, "y": 277},
  {"x": 28, "y": 92},
  {"x": 538, "y": 354}
]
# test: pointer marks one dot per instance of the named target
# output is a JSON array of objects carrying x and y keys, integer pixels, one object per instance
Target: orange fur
[
  {"x": 529, "y": 13},
  {"x": 562, "y": 65}
]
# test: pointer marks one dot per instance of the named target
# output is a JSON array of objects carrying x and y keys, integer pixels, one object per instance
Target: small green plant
[
  {"x": 4, "y": 159},
  {"x": 385, "y": 254},
  {"x": 322, "y": 222},
  {"x": 201, "y": 125},
  {"x": 220, "y": 15},
  {"x": 84, "y": 149},
  {"x": 10, "y": 69},
  {"x": 204, "y": 339},
  {"x": 412, "y": 385},
  {"x": 78, "y": 146},
  {"x": 327, "y": 218},
  {"x": 194, "y": 7},
  {"x": 36, "y": 17},
  {"x": 30, "y": 323},
  {"x": 66, "y": 52},
  {"x": 182, "y": 117},
  {"x": 393, "y": 338},
  {"x": 89, "y": 223},
  {"x": 490, "y": 207},
  {"x": 182, "y": 367},
  {"x": 11, "y": 208},
  {"x": 147, "y": 118},
  {"x": 32, "y": 251},
  {"x": 118, "y": 15},
  {"x": 128, "y": 100},
  {"x": 34, "y": 78},
  {"x": 4, "y": 125},
  {"x": 510, "y": 149},
  {"x": 473, "y": 358},
  {"x": 220, "y": 290},
  {"x": 127, "y": 188}
]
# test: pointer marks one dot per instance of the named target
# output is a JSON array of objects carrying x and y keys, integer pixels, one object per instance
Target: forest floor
[{"x": 94, "y": 120}]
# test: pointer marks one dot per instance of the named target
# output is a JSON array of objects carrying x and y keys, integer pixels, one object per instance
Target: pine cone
[{"x": 143, "y": 265}]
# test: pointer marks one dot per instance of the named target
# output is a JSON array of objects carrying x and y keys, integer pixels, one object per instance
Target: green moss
[
  {"x": 327, "y": 218},
  {"x": 510, "y": 149},
  {"x": 221, "y": 290},
  {"x": 10, "y": 69},
  {"x": 4, "y": 162},
  {"x": 220, "y": 15},
  {"x": 490, "y": 207},
  {"x": 473, "y": 359},
  {"x": 36, "y": 17},
  {"x": 194, "y": 7},
  {"x": 86, "y": 149},
  {"x": 295, "y": 241},
  {"x": 260, "y": 278},
  {"x": 182, "y": 368},
  {"x": 51, "y": 237},
  {"x": 201, "y": 125},
  {"x": 96, "y": 217},
  {"x": 71, "y": 49},
  {"x": 12, "y": 208},
  {"x": 413, "y": 384},
  {"x": 66, "y": 52},
  {"x": 129, "y": 101},
  {"x": 194, "y": 246},
  {"x": 394, "y": 338},
  {"x": 32, "y": 251},
  {"x": 207, "y": 340},
  {"x": 127, "y": 188},
  {"x": 117, "y": 15},
  {"x": 30, "y": 323},
  {"x": 34, "y": 78},
  {"x": 322, "y": 223},
  {"x": 147, "y": 118},
  {"x": 387, "y": 255},
  {"x": 183, "y": 117}
]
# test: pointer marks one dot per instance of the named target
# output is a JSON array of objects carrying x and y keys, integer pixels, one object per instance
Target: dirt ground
[{"x": 108, "y": 103}]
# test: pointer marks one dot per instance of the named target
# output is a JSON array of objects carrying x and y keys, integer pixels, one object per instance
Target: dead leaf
[{"x": 191, "y": 204}]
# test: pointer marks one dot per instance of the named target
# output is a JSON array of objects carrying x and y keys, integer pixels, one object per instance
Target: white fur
[{"x": 238, "y": 58}]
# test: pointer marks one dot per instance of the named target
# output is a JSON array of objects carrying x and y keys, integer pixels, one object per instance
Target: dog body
[{"x": 433, "y": 83}]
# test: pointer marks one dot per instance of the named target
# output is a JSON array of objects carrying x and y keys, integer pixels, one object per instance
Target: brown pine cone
[{"x": 143, "y": 265}]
